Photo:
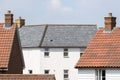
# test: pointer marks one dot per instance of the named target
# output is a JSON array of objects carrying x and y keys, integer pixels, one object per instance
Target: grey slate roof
[
  {"x": 31, "y": 36},
  {"x": 57, "y": 35}
]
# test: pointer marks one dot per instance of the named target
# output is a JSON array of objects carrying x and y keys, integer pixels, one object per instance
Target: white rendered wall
[
  {"x": 56, "y": 63},
  {"x": 32, "y": 60},
  {"x": 113, "y": 74},
  {"x": 86, "y": 74}
]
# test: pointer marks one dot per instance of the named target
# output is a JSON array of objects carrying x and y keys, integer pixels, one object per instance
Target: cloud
[{"x": 57, "y": 6}]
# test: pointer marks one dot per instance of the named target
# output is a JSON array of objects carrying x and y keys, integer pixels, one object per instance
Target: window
[
  {"x": 46, "y": 53},
  {"x": 30, "y": 71},
  {"x": 66, "y": 75},
  {"x": 46, "y": 72},
  {"x": 103, "y": 74},
  {"x": 81, "y": 54},
  {"x": 100, "y": 74},
  {"x": 65, "y": 52}
]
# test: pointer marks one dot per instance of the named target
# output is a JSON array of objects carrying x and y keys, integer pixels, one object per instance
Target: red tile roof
[
  {"x": 26, "y": 77},
  {"x": 6, "y": 40},
  {"x": 103, "y": 50}
]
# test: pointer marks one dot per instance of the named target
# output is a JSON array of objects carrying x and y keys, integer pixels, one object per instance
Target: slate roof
[
  {"x": 31, "y": 36},
  {"x": 6, "y": 40},
  {"x": 26, "y": 77},
  {"x": 57, "y": 35},
  {"x": 103, "y": 50}
]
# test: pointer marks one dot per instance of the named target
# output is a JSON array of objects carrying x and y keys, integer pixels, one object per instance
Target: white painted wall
[
  {"x": 113, "y": 74},
  {"x": 32, "y": 60},
  {"x": 89, "y": 74},
  {"x": 56, "y": 63},
  {"x": 86, "y": 74}
]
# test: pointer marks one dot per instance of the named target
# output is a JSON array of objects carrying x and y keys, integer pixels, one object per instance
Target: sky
[{"x": 61, "y": 11}]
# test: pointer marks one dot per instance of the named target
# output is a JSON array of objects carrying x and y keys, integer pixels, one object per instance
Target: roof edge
[
  {"x": 97, "y": 66},
  {"x": 56, "y": 47}
]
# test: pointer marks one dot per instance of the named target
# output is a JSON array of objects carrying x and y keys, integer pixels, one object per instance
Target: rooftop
[
  {"x": 26, "y": 77},
  {"x": 57, "y": 35},
  {"x": 103, "y": 50},
  {"x": 6, "y": 40}
]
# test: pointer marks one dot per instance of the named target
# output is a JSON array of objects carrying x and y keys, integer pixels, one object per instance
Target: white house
[
  {"x": 54, "y": 48},
  {"x": 101, "y": 59}
]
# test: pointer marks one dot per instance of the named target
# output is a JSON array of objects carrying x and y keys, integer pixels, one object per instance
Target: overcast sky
[{"x": 61, "y": 11}]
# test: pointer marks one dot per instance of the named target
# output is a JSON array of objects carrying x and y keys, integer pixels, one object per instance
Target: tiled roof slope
[
  {"x": 31, "y": 36},
  {"x": 6, "y": 40},
  {"x": 103, "y": 50},
  {"x": 57, "y": 35},
  {"x": 26, "y": 77}
]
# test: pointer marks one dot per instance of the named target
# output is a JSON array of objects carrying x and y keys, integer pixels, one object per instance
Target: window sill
[
  {"x": 46, "y": 56},
  {"x": 66, "y": 56},
  {"x": 66, "y": 78}
]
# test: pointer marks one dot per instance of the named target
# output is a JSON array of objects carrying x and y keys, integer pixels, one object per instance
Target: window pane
[
  {"x": 65, "y": 49},
  {"x": 46, "y": 49},
  {"x": 46, "y": 71},
  {"x": 81, "y": 54},
  {"x": 46, "y": 53},
  {"x": 96, "y": 74},
  {"x": 65, "y": 71},
  {"x": 65, "y": 54},
  {"x": 103, "y": 74},
  {"x": 65, "y": 75},
  {"x": 30, "y": 71}
]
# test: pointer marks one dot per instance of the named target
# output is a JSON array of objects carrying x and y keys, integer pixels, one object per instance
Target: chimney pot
[
  {"x": 109, "y": 14},
  {"x": 8, "y": 12},
  {"x": 20, "y": 17}
]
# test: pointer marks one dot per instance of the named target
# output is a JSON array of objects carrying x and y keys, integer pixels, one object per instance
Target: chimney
[
  {"x": 110, "y": 22},
  {"x": 8, "y": 19},
  {"x": 20, "y": 22}
]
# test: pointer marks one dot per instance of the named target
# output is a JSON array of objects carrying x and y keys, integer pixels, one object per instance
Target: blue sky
[{"x": 61, "y": 11}]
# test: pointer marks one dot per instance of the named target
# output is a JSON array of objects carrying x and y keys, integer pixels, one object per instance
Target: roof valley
[{"x": 43, "y": 35}]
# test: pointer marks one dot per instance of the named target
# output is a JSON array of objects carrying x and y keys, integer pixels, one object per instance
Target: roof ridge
[{"x": 61, "y": 25}]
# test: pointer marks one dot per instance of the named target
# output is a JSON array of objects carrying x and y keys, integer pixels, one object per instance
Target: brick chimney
[
  {"x": 20, "y": 22},
  {"x": 110, "y": 22},
  {"x": 8, "y": 19}
]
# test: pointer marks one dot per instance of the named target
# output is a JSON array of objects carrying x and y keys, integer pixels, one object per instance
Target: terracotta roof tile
[
  {"x": 6, "y": 39},
  {"x": 102, "y": 51},
  {"x": 26, "y": 77}
]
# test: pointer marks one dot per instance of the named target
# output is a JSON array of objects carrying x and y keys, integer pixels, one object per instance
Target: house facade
[
  {"x": 101, "y": 59},
  {"x": 54, "y": 48}
]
